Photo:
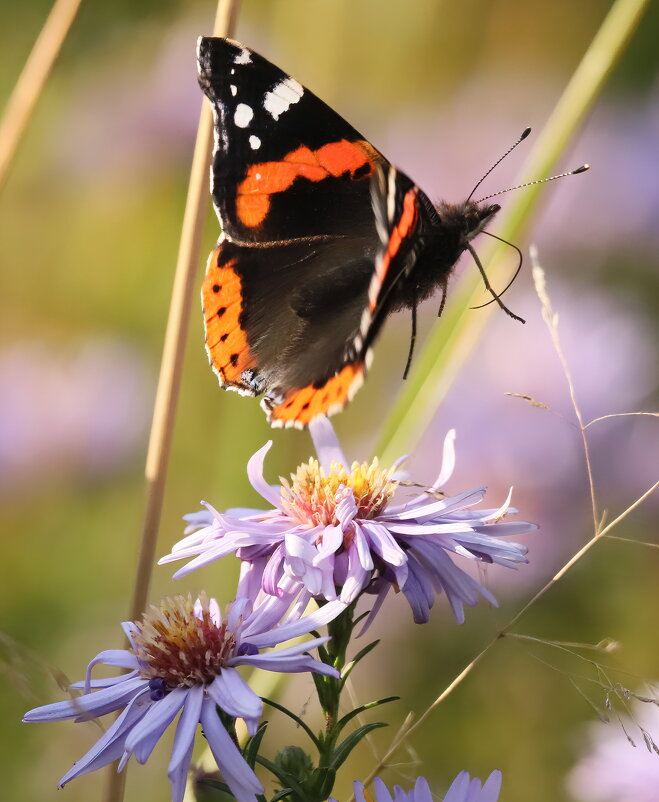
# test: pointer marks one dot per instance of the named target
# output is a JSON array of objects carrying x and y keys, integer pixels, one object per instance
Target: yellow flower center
[
  {"x": 312, "y": 495},
  {"x": 180, "y": 647}
]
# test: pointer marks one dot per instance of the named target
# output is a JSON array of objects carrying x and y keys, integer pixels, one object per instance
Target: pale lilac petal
[
  {"x": 273, "y": 571},
  {"x": 379, "y": 601},
  {"x": 297, "y": 610},
  {"x": 361, "y": 543},
  {"x": 328, "y": 612},
  {"x": 118, "y": 658},
  {"x": 89, "y": 704},
  {"x": 184, "y": 742},
  {"x": 105, "y": 682},
  {"x": 331, "y": 542},
  {"x": 290, "y": 665},
  {"x": 458, "y": 790},
  {"x": 236, "y": 772},
  {"x": 474, "y": 791},
  {"x": 110, "y": 745},
  {"x": 230, "y": 691},
  {"x": 346, "y": 510},
  {"x": 290, "y": 651},
  {"x": 357, "y": 577},
  {"x": 492, "y": 788},
  {"x": 383, "y": 543},
  {"x": 239, "y": 611},
  {"x": 381, "y": 791},
  {"x": 326, "y": 443},
  {"x": 145, "y": 735},
  {"x": 255, "y": 476},
  {"x": 359, "y": 792},
  {"x": 466, "y": 499},
  {"x": 422, "y": 790}
]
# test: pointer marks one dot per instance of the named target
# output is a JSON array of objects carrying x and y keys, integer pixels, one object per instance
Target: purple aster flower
[
  {"x": 183, "y": 658},
  {"x": 333, "y": 531},
  {"x": 463, "y": 789}
]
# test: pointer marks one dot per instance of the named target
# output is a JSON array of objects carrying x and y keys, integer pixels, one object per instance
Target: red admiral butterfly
[{"x": 322, "y": 238}]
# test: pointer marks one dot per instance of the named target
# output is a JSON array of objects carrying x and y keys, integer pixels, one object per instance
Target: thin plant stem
[
  {"x": 32, "y": 80},
  {"x": 621, "y": 415},
  {"x": 551, "y": 319},
  {"x": 171, "y": 366},
  {"x": 407, "y": 731},
  {"x": 457, "y": 334}
]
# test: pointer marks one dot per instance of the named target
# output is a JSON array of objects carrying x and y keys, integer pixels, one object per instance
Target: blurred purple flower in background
[
  {"x": 335, "y": 528},
  {"x": 463, "y": 789},
  {"x": 622, "y": 763},
  {"x": 83, "y": 413},
  {"x": 183, "y": 658}
]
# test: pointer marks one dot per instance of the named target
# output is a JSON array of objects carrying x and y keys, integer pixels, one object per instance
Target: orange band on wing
[
  {"x": 265, "y": 179},
  {"x": 301, "y": 406},
  {"x": 226, "y": 342},
  {"x": 403, "y": 229}
]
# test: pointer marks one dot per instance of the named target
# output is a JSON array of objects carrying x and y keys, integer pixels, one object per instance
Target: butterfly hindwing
[
  {"x": 285, "y": 165},
  {"x": 283, "y": 319}
]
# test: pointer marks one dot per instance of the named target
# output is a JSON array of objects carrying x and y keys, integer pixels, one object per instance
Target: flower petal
[
  {"x": 89, "y": 705},
  {"x": 230, "y": 691},
  {"x": 271, "y": 637},
  {"x": 110, "y": 745},
  {"x": 184, "y": 742},
  {"x": 458, "y": 790},
  {"x": 255, "y": 476},
  {"x": 119, "y": 658},
  {"x": 145, "y": 735},
  {"x": 491, "y": 788},
  {"x": 326, "y": 443},
  {"x": 238, "y": 775}
]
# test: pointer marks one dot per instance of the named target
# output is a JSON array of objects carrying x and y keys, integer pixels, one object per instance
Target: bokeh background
[{"x": 89, "y": 225}]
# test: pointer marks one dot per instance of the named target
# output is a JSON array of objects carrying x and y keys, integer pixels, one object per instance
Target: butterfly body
[{"x": 322, "y": 238}]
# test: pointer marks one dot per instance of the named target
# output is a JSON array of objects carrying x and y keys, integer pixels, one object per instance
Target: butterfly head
[{"x": 466, "y": 220}]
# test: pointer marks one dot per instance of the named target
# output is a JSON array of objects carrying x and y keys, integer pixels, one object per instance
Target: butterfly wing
[
  {"x": 283, "y": 319},
  {"x": 285, "y": 165}
]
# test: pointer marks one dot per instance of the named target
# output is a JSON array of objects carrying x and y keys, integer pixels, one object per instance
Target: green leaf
[
  {"x": 323, "y": 781},
  {"x": 346, "y": 746},
  {"x": 254, "y": 744},
  {"x": 359, "y": 656},
  {"x": 363, "y": 708},
  {"x": 281, "y": 794},
  {"x": 284, "y": 777}
]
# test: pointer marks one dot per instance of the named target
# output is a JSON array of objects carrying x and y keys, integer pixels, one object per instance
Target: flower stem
[
  {"x": 171, "y": 366},
  {"x": 32, "y": 80},
  {"x": 458, "y": 333}
]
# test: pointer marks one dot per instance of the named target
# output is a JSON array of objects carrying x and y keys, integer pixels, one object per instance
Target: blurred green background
[{"x": 89, "y": 225}]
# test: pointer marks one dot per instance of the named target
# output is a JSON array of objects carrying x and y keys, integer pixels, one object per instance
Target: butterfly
[{"x": 322, "y": 238}]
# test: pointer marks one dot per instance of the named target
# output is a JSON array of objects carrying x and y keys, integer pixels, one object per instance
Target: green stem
[{"x": 458, "y": 333}]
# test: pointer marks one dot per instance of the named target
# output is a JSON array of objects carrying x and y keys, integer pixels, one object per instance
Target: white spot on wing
[
  {"x": 258, "y": 176},
  {"x": 282, "y": 97},
  {"x": 234, "y": 89},
  {"x": 243, "y": 57},
  {"x": 255, "y": 142},
  {"x": 243, "y": 115}
]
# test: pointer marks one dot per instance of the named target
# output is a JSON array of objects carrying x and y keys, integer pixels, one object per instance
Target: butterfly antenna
[
  {"x": 522, "y": 137},
  {"x": 510, "y": 283},
  {"x": 489, "y": 288},
  {"x": 581, "y": 169}
]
